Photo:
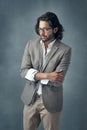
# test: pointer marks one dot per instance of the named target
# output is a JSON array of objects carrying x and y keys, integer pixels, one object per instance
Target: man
[{"x": 44, "y": 65}]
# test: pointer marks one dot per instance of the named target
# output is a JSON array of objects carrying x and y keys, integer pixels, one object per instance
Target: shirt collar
[{"x": 49, "y": 45}]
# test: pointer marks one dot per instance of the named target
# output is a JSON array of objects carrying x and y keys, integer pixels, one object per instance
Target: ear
[{"x": 55, "y": 29}]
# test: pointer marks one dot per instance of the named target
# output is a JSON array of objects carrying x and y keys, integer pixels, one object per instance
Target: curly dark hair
[{"x": 53, "y": 22}]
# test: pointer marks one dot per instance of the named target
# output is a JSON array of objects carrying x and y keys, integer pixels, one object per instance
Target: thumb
[{"x": 59, "y": 71}]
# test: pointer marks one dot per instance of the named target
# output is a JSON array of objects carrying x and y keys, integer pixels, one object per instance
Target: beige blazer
[{"x": 58, "y": 58}]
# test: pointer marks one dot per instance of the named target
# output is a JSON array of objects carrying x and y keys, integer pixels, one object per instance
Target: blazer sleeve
[
  {"x": 26, "y": 61},
  {"x": 64, "y": 65},
  {"x": 65, "y": 62}
]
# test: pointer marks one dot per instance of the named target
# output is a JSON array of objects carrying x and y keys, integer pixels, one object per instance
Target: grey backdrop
[{"x": 17, "y": 20}]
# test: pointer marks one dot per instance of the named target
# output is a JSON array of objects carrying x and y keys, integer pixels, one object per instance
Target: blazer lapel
[
  {"x": 40, "y": 57},
  {"x": 51, "y": 54}
]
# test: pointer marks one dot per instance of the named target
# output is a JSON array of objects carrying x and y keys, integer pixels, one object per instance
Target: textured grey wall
[{"x": 17, "y": 20}]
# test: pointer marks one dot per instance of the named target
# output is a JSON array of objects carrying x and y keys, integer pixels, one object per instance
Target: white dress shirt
[{"x": 31, "y": 72}]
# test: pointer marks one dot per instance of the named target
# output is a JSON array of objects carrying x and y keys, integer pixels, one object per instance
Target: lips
[{"x": 43, "y": 37}]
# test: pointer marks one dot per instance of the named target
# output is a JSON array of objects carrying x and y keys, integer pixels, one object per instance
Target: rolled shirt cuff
[
  {"x": 30, "y": 74},
  {"x": 44, "y": 81}
]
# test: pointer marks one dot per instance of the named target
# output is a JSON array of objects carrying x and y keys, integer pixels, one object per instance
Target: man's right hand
[{"x": 56, "y": 76}]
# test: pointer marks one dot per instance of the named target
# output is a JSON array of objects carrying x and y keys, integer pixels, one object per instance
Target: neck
[{"x": 48, "y": 42}]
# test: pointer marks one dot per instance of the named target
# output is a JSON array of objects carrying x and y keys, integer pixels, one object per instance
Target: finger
[
  {"x": 60, "y": 75},
  {"x": 60, "y": 80}
]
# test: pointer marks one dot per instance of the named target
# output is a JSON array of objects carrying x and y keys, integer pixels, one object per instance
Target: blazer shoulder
[
  {"x": 64, "y": 46},
  {"x": 34, "y": 42},
  {"x": 31, "y": 44}
]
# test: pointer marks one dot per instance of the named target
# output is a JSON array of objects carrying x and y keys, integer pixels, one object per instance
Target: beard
[{"x": 47, "y": 38}]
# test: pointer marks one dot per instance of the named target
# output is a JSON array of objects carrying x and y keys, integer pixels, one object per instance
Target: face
[{"x": 46, "y": 32}]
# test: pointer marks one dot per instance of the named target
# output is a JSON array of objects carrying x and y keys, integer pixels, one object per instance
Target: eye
[{"x": 44, "y": 29}]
